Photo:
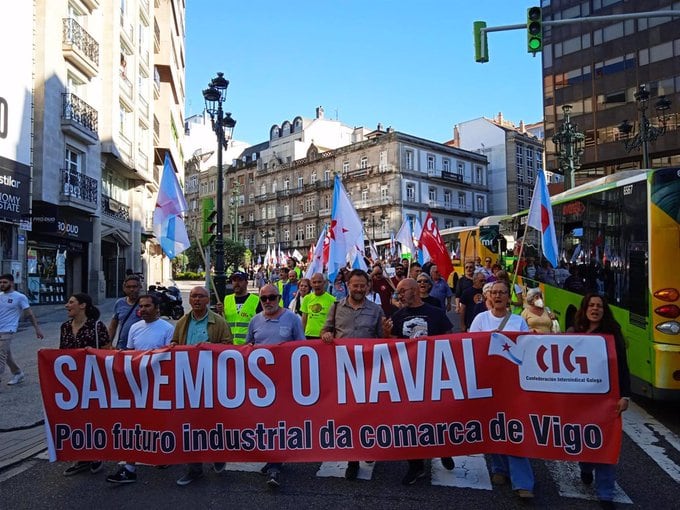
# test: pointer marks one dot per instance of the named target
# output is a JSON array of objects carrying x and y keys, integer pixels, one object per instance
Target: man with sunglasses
[{"x": 273, "y": 325}]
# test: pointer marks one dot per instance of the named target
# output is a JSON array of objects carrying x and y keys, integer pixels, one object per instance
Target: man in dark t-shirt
[
  {"x": 413, "y": 320},
  {"x": 471, "y": 296}
]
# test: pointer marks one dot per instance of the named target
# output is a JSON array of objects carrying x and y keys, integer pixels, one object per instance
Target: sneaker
[
  {"x": 218, "y": 467},
  {"x": 96, "y": 466},
  {"x": 76, "y": 468},
  {"x": 352, "y": 470},
  {"x": 499, "y": 479},
  {"x": 123, "y": 475},
  {"x": 273, "y": 479},
  {"x": 190, "y": 476},
  {"x": 524, "y": 493},
  {"x": 448, "y": 463},
  {"x": 18, "y": 378},
  {"x": 413, "y": 475},
  {"x": 586, "y": 477}
]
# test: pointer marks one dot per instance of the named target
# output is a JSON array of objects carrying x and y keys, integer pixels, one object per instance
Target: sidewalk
[{"x": 21, "y": 420}]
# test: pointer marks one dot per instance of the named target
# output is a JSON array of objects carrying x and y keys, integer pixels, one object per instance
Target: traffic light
[
  {"x": 534, "y": 30},
  {"x": 481, "y": 42},
  {"x": 209, "y": 221}
]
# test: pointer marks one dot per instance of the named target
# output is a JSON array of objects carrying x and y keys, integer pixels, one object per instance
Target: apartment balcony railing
[
  {"x": 114, "y": 209},
  {"x": 79, "y": 188},
  {"x": 125, "y": 84},
  {"x": 156, "y": 130},
  {"x": 80, "y": 47},
  {"x": 156, "y": 37},
  {"x": 156, "y": 83},
  {"x": 75, "y": 110}
]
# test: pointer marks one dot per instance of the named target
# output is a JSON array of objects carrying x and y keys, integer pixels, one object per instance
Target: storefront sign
[
  {"x": 15, "y": 184},
  {"x": 541, "y": 396},
  {"x": 51, "y": 223}
]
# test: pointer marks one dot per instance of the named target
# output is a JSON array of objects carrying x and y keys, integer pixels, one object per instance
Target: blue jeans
[
  {"x": 517, "y": 468},
  {"x": 605, "y": 478}
]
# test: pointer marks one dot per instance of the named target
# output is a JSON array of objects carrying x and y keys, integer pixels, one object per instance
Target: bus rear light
[
  {"x": 669, "y": 327},
  {"x": 668, "y": 311},
  {"x": 667, "y": 294}
]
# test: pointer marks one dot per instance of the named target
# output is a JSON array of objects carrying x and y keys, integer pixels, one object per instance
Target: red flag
[
  {"x": 431, "y": 239},
  {"x": 326, "y": 246}
]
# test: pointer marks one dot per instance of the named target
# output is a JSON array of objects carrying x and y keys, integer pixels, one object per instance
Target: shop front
[{"x": 57, "y": 255}]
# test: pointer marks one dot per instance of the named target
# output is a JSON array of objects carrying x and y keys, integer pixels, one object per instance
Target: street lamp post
[
  {"x": 647, "y": 132},
  {"x": 569, "y": 143},
  {"x": 223, "y": 126}
]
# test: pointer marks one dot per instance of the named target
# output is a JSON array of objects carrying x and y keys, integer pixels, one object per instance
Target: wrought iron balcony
[
  {"x": 76, "y": 110},
  {"x": 115, "y": 209},
  {"x": 80, "y": 47},
  {"x": 78, "y": 187}
]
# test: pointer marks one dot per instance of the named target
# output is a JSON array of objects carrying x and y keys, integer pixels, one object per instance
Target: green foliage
[
  {"x": 190, "y": 275},
  {"x": 234, "y": 252}
]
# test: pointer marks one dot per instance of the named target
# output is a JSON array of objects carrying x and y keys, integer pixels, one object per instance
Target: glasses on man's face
[
  {"x": 469, "y": 267},
  {"x": 422, "y": 282},
  {"x": 498, "y": 292},
  {"x": 269, "y": 297}
]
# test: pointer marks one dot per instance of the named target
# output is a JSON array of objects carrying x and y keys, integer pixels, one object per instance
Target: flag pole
[
  {"x": 207, "y": 268},
  {"x": 519, "y": 258}
]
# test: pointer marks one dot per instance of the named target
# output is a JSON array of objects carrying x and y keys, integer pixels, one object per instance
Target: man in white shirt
[
  {"x": 151, "y": 332},
  {"x": 12, "y": 305}
]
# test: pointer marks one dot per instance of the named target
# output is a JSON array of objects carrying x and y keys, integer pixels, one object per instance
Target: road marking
[
  {"x": 567, "y": 477},
  {"x": 650, "y": 435},
  {"x": 337, "y": 469},
  {"x": 470, "y": 472}
]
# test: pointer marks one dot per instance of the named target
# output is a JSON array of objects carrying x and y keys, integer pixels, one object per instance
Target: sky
[{"x": 407, "y": 65}]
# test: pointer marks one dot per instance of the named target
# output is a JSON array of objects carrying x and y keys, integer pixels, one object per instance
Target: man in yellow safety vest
[{"x": 240, "y": 307}]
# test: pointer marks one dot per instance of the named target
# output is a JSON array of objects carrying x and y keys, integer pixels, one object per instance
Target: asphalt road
[{"x": 648, "y": 476}]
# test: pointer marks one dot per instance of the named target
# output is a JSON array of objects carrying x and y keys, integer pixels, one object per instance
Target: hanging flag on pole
[
  {"x": 431, "y": 239},
  {"x": 168, "y": 224},
  {"x": 405, "y": 237},
  {"x": 316, "y": 260},
  {"x": 541, "y": 218},
  {"x": 423, "y": 254},
  {"x": 345, "y": 229}
]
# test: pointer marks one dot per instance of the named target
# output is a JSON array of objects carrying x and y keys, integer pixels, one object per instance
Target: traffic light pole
[{"x": 483, "y": 30}]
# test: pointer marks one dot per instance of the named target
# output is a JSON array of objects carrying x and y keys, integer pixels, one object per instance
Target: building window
[
  {"x": 263, "y": 189},
  {"x": 300, "y": 234},
  {"x": 529, "y": 154},
  {"x": 384, "y": 192},
  {"x": 430, "y": 163},
  {"x": 447, "y": 198},
  {"x": 520, "y": 198},
  {"x": 345, "y": 167},
  {"x": 310, "y": 231},
  {"x": 411, "y": 192},
  {"x": 301, "y": 182},
  {"x": 286, "y": 183},
  {"x": 462, "y": 201},
  {"x": 310, "y": 204},
  {"x": 251, "y": 198},
  {"x": 286, "y": 234},
  {"x": 73, "y": 160},
  {"x": 327, "y": 202},
  {"x": 432, "y": 194},
  {"x": 286, "y": 209},
  {"x": 519, "y": 156},
  {"x": 363, "y": 163},
  {"x": 479, "y": 174},
  {"x": 251, "y": 216},
  {"x": 274, "y": 186},
  {"x": 446, "y": 165},
  {"x": 364, "y": 196},
  {"x": 312, "y": 178},
  {"x": 408, "y": 157},
  {"x": 460, "y": 168},
  {"x": 326, "y": 175},
  {"x": 448, "y": 223},
  {"x": 383, "y": 159},
  {"x": 480, "y": 203}
]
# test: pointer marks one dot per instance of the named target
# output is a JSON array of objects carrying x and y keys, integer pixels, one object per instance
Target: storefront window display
[{"x": 46, "y": 276}]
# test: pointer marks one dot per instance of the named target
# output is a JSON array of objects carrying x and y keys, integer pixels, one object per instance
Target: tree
[
  {"x": 233, "y": 254},
  {"x": 194, "y": 258}
]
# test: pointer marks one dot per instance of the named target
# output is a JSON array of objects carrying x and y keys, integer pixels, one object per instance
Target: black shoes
[
  {"x": 352, "y": 470},
  {"x": 123, "y": 476},
  {"x": 448, "y": 463},
  {"x": 273, "y": 479},
  {"x": 413, "y": 474},
  {"x": 586, "y": 478}
]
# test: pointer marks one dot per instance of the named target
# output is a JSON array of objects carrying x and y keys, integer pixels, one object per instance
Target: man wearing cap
[{"x": 240, "y": 307}]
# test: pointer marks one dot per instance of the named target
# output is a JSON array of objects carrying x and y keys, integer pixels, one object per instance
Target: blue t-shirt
[
  {"x": 121, "y": 311},
  {"x": 197, "y": 331},
  {"x": 285, "y": 328}
]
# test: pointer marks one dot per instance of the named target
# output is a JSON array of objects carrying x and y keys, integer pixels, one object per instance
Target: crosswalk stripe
[
  {"x": 337, "y": 469},
  {"x": 470, "y": 473},
  {"x": 567, "y": 477},
  {"x": 650, "y": 435}
]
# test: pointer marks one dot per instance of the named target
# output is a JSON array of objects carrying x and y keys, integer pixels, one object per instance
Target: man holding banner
[{"x": 416, "y": 319}]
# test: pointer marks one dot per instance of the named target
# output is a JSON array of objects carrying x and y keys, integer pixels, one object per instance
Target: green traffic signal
[
  {"x": 534, "y": 30},
  {"x": 481, "y": 42},
  {"x": 209, "y": 221}
]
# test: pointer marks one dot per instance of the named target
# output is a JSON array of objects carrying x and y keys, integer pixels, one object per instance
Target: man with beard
[
  {"x": 416, "y": 319},
  {"x": 273, "y": 325},
  {"x": 354, "y": 317}
]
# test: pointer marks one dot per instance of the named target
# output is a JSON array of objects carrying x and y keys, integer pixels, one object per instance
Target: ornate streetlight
[
  {"x": 223, "y": 126},
  {"x": 647, "y": 132},
  {"x": 569, "y": 144}
]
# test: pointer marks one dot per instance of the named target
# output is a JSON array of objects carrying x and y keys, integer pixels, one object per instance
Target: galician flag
[
  {"x": 541, "y": 218},
  {"x": 405, "y": 237},
  {"x": 345, "y": 229},
  {"x": 501, "y": 345},
  {"x": 168, "y": 224},
  {"x": 316, "y": 262}
]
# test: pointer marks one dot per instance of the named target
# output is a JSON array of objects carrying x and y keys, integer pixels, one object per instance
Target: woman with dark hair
[
  {"x": 304, "y": 288},
  {"x": 83, "y": 329},
  {"x": 595, "y": 316}
]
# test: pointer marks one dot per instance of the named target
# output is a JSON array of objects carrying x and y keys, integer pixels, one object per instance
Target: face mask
[{"x": 538, "y": 302}]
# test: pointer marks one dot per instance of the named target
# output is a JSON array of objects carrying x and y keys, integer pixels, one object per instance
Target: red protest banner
[{"x": 543, "y": 396}]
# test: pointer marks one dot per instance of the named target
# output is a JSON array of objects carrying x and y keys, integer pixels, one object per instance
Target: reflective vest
[{"x": 238, "y": 320}]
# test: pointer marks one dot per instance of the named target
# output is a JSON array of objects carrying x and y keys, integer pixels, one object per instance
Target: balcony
[
  {"x": 126, "y": 86},
  {"x": 284, "y": 218},
  {"x": 311, "y": 214},
  {"x": 449, "y": 176},
  {"x": 78, "y": 189},
  {"x": 447, "y": 205},
  {"x": 79, "y": 119},
  {"x": 80, "y": 48},
  {"x": 114, "y": 209}
]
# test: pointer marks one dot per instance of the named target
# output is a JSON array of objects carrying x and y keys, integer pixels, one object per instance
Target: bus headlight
[{"x": 669, "y": 328}]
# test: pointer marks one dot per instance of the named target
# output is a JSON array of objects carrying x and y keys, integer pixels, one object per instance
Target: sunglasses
[{"x": 270, "y": 297}]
